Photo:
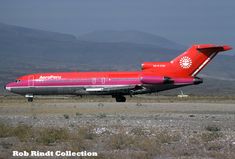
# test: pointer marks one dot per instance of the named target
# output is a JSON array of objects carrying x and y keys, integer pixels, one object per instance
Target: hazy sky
[{"x": 184, "y": 21}]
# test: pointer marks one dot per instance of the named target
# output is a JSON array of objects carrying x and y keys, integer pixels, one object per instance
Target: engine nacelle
[
  {"x": 148, "y": 79},
  {"x": 187, "y": 80},
  {"x": 155, "y": 80}
]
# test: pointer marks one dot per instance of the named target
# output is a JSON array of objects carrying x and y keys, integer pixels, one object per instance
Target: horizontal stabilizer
[{"x": 216, "y": 48}]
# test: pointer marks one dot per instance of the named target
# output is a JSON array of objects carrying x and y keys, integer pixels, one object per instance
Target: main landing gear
[
  {"x": 29, "y": 97},
  {"x": 120, "y": 98}
]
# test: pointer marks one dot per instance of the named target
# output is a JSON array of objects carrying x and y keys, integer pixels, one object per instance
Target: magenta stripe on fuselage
[{"x": 77, "y": 82}]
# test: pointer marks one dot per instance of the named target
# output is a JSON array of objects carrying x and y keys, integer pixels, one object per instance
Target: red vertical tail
[{"x": 192, "y": 61}]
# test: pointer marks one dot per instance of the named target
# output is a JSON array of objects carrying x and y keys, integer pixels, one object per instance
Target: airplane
[{"x": 154, "y": 77}]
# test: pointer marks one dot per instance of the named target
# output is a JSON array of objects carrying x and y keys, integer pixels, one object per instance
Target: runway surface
[
  {"x": 113, "y": 108},
  {"x": 187, "y": 128}
]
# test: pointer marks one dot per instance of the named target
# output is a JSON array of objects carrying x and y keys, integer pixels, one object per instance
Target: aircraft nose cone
[{"x": 7, "y": 87}]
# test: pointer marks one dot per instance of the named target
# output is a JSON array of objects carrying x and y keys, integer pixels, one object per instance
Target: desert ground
[{"x": 144, "y": 127}]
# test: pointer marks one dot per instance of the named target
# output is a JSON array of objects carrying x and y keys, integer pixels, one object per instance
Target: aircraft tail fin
[{"x": 192, "y": 61}]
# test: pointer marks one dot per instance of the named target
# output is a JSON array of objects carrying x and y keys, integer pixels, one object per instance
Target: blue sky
[{"x": 184, "y": 21}]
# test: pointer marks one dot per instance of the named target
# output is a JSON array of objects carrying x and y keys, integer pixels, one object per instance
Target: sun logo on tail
[{"x": 185, "y": 62}]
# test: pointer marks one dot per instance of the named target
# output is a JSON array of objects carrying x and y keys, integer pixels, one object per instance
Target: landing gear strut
[{"x": 120, "y": 98}]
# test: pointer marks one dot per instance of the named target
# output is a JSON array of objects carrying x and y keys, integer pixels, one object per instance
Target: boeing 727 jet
[{"x": 154, "y": 77}]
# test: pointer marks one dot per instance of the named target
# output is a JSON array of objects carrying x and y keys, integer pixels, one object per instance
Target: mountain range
[{"x": 136, "y": 37}]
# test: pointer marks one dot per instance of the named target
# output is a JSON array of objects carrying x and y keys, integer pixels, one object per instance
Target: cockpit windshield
[{"x": 17, "y": 81}]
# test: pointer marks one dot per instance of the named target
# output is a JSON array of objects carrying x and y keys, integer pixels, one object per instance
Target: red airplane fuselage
[{"x": 154, "y": 77}]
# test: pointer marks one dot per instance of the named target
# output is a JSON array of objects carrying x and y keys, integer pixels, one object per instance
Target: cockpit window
[{"x": 17, "y": 81}]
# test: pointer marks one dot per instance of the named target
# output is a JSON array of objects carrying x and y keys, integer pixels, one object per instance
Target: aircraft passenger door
[
  {"x": 103, "y": 80},
  {"x": 31, "y": 81},
  {"x": 93, "y": 81}
]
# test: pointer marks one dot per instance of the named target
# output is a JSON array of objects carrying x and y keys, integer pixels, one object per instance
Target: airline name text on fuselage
[{"x": 49, "y": 77}]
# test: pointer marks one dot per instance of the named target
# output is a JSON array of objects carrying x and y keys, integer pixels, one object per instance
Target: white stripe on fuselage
[{"x": 8, "y": 88}]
